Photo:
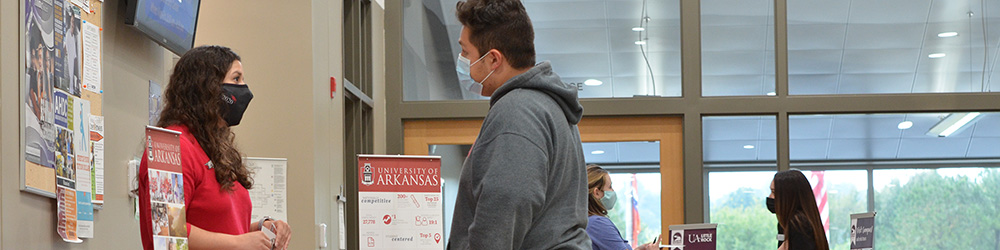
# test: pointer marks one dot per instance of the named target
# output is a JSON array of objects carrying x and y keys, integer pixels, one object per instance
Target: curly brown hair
[{"x": 193, "y": 99}]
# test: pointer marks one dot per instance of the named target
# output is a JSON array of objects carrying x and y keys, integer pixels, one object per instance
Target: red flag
[
  {"x": 819, "y": 190},
  {"x": 635, "y": 213}
]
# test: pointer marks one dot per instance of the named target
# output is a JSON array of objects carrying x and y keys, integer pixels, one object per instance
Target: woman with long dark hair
[
  {"x": 603, "y": 233},
  {"x": 798, "y": 215},
  {"x": 206, "y": 95}
]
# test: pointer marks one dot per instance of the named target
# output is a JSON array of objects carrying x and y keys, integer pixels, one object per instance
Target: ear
[{"x": 496, "y": 59}]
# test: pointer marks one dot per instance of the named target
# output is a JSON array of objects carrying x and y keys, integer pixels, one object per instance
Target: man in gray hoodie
[{"x": 524, "y": 185}]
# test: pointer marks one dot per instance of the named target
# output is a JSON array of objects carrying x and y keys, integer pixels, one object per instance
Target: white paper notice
[
  {"x": 268, "y": 194},
  {"x": 343, "y": 225},
  {"x": 91, "y": 57},
  {"x": 84, "y": 4},
  {"x": 97, "y": 157}
]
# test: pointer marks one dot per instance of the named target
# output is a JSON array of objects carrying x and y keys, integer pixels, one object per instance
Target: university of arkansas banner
[
  {"x": 166, "y": 188},
  {"x": 399, "y": 202}
]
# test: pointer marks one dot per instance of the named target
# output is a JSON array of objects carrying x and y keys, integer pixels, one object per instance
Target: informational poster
[
  {"x": 862, "y": 231},
  {"x": 66, "y": 215},
  {"x": 65, "y": 166},
  {"x": 166, "y": 188},
  {"x": 68, "y": 62},
  {"x": 692, "y": 237},
  {"x": 269, "y": 196},
  {"x": 155, "y": 102},
  {"x": 79, "y": 123},
  {"x": 399, "y": 202},
  {"x": 58, "y": 46},
  {"x": 91, "y": 57},
  {"x": 39, "y": 129},
  {"x": 97, "y": 158}
]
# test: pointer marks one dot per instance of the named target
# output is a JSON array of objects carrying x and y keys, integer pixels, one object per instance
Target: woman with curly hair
[{"x": 205, "y": 96}]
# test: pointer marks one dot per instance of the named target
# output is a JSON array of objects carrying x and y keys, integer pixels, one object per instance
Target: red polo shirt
[{"x": 207, "y": 205}]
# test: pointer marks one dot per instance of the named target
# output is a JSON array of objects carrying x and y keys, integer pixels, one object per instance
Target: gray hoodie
[{"x": 524, "y": 185}]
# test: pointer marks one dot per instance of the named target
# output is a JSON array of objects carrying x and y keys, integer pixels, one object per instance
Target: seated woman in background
[
  {"x": 603, "y": 233},
  {"x": 798, "y": 215}
]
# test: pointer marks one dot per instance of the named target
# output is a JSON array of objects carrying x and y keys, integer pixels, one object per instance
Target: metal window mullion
[
  {"x": 695, "y": 186},
  {"x": 871, "y": 189}
]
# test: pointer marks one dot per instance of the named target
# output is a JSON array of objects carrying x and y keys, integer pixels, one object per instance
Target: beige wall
[
  {"x": 289, "y": 51},
  {"x": 288, "y": 60},
  {"x": 130, "y": 61},
  {"x": 378, "y": 74}
]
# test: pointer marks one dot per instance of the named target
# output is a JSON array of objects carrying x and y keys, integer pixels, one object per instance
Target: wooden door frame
[{"x": 418, "y": 135}]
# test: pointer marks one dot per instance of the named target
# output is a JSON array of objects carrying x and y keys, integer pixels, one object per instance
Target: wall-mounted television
[{"x": 170, "y": 23}]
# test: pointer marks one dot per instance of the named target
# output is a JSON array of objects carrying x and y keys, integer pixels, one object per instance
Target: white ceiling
[
  {"x": 822, "y": 137},
  {"x": 835, "y": 47},
  {"x": 849, "y": 137}
]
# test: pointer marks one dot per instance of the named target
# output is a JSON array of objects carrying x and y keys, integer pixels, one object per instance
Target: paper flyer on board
[
  {"x": 97, "y": 158},
  {"x": 166, "y": 188},
  {"x": 91, "y": 57},
  {"x": 65, "y": 166},
  {"x": 80, "y": 124},
  {"x": 39, "y": 130},
  {"x": 268, "y": 195},
  {"x": 400, "y": 203},
  {"x": 84, "y": 4}
]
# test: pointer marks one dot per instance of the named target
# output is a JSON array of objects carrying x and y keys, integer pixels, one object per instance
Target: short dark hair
[{"x": 500, "y": 24}]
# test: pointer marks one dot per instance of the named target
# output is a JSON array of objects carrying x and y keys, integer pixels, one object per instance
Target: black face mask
[
  {"x": 235, "y": 99},
  {"x": 770, "y": 204}
]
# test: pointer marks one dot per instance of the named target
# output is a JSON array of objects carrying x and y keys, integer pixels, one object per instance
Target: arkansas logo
[
  {"x": 149, "y": 147},
  {"x": 366, "y": 175}
]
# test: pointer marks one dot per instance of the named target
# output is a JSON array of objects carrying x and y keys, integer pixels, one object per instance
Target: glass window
[
  {"x": 635, "y": 177},
  {"x": 739, "y": 139},
  {"x": 946, "y": 208},
  {"x": 893, "y": 46},
  {"x": 737, "y": 42},
  {"x": 736, "y": 203},
  {"x": 840, "y": 193},
  {"x": 637, "y": 211},
  {"x": 894, "y": 136},
  {"x": 593, "y": 45}
]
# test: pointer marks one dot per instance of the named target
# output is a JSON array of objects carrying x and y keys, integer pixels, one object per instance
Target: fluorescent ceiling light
[
  {"x": 951, "y": 124},
  {"x": 593, "y": 82},
  {"x": 640, "y": 42},
  {"x": 638, "y": 29},
  {"x": 597, "y": 152},
  {"x": 936, "y": 55},
  {"x": 748, "y": 146},
  {"x": 905, "y": 125},
  {"x": 948, "y": 34}
]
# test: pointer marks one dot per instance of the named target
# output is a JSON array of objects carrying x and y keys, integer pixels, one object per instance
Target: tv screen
[{"x": 170, "y": 23}]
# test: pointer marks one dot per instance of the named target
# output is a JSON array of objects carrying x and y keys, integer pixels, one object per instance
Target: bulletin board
[{"x": 61, "y": 114}]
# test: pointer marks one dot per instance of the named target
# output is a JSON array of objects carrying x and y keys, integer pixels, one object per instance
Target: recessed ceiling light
[
  {"x": 936, "y": 55},
  {"x": 638, "y": 29},
  {"x": 640, "y": 42},
  {"x": 597, "y": 152},
  {"x": 593, "y": 82},
  {"x": 771, "y": 94},
  {"x": 748, "y": 146},
  {"x": 948, "y": 34},
  {"x": 905, "y": 125}
]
